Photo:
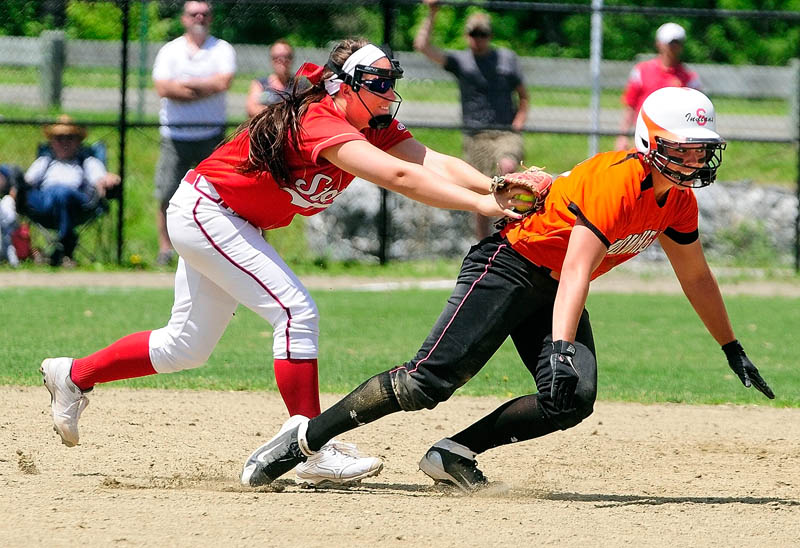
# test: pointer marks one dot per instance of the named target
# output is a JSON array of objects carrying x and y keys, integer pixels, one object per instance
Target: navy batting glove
[
  {"x": 744, "y": 368},
  {"x": 564, "y": 375}
]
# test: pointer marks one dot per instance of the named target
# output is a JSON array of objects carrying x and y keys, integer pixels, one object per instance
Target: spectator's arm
[
  {"x": 630, "y": 98},
  {"x": 253, "y": 104},
  {"x": 109, "y": 180},
  {"x": 625, "y": 128},
  {"x": 422, "y": 41},
  {"x": 209, "y": 85},
  {"x": 35, "y": 173},
  {"x": 175, "y": 90},
  {"x": 518, "y": 123},
  {"x": 98, "y": 176}
]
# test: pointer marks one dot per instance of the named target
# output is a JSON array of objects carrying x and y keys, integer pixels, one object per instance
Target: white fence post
[{"x": 596, "y": 54}]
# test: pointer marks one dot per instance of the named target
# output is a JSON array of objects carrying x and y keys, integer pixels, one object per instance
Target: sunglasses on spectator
[
  {"x": 479, "y": 34},
  {"x": 379, "y": 85},
  {"x": 282, "y": 57},
  {"x": 66, "y": 138}
]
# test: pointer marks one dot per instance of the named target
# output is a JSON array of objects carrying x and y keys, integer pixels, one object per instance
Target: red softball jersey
[
  {"x": 612, "y": 193},
  {"x": 648, "y": 76},
  {"x": 314, "y": 182}
]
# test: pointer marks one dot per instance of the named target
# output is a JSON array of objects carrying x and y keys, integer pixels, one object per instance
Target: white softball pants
[{"x": 224, "y": 260}]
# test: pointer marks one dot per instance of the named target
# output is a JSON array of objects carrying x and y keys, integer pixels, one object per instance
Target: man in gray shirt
[{"x": 494, "y": 101}]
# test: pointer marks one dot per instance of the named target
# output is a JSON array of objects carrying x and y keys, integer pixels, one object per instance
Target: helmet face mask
[
  {"x": 385, "y": 80},
  {"x": 668, "y": 157},
  {"x": 676, "y": 134}
]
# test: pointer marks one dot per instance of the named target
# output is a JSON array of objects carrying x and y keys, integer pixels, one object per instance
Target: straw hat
[{"x": 64, "y": 126}]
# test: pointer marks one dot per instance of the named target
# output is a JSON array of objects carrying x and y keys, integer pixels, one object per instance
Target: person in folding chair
[{"x": 66, "y": 186}]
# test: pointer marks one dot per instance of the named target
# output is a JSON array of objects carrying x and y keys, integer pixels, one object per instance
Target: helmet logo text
[{"x": 699, "y": 117}]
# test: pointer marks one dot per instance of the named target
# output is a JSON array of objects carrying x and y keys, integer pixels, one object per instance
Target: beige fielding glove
[{"x": 534, "y": 185}]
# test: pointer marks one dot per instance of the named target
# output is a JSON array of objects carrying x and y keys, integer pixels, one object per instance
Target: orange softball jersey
[{"x": 612, "y": 193}]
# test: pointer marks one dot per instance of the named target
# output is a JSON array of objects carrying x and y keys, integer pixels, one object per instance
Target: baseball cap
[
  {"x": 670, "y": 32},
  {"x": 479, "y": 22}
]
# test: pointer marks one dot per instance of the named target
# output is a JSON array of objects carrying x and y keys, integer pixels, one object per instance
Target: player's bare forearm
[
  {"x": 413, "y": 180},
  {"x": 458, "y": 171},
  {"x": 573, "y": 288},
  {"x": 705, "y": 297},
  {"x": 584, "y": 253},
  {"x": 700, "y": 287},
  {"x": 448, "y": 167}
]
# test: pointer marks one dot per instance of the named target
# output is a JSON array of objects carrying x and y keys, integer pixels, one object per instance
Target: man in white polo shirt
[{"x": 191, "y": 74}]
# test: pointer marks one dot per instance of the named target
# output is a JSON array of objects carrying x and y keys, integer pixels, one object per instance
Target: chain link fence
[{"x": 76, "y": 56}]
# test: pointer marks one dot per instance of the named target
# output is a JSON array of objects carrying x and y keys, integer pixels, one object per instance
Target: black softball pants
[{"x": 499, "y": 293}]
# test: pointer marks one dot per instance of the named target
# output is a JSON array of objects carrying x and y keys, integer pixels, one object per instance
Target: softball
[{"x": 524, "y": 198}]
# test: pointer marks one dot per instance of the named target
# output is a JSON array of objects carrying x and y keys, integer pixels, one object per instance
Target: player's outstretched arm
[
  {"x": 699, "y": 286},
  {"x": 702, "y": 290},
  {"x": 415, "y": 181},
  {"x": 450, "y": 167},
  {"x": 584, "y": 253}
]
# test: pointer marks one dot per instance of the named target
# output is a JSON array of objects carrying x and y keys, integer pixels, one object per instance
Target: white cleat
[
  {"x": 66, "y": 399},
  {"x": 279, "y": 455},
  {"x": 336, "y": 463}
]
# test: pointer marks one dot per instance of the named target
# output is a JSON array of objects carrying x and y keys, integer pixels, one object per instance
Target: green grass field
[{"x": 650, "y": 348}]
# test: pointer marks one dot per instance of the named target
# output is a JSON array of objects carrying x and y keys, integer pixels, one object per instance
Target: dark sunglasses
[
  {"x": 479, "y": 34},
  {"x": 379, "y": 85},
  {"x": 66, "y": 138}
]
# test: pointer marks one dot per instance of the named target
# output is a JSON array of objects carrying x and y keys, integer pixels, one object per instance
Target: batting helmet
[{"x": 673, "y": 124}]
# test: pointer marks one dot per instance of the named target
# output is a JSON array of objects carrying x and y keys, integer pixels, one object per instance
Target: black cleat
[{"x": 444, "y": 465}]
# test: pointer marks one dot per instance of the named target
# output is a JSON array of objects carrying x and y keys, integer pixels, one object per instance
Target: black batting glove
[
  {"x": 564, "y": 375},
  {"x": 744, "y": 368}
]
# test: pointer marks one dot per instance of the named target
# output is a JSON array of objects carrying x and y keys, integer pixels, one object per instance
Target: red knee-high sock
[
  {"x": 127, "y": 358},
  {"x": 298, "y": 383}
]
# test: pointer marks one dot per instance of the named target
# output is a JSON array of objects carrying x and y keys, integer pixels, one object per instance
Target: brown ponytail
[{"x": 278, "y": 125}]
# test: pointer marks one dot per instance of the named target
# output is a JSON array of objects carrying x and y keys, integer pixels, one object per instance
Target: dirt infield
[{"x": 160, "y": 468}]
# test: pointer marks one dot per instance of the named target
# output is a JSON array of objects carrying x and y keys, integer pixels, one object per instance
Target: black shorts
[{"x": 498, "y": 293}]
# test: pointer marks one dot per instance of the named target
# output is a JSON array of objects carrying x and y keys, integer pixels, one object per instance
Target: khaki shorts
[
  {"x": 175, "y": 159},
  {"x": 484, "y": 149}
]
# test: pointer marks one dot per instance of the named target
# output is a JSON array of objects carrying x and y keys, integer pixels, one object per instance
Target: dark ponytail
[{"x": 278, "y": 126}]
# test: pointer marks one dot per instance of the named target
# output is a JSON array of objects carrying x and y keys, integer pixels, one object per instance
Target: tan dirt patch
[
  {"x": 160, "y": 468},
  {"x": 616, "y": 281}
]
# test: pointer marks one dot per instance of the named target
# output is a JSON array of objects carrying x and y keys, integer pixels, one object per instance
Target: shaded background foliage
[{"x": 547, "y": 34}]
